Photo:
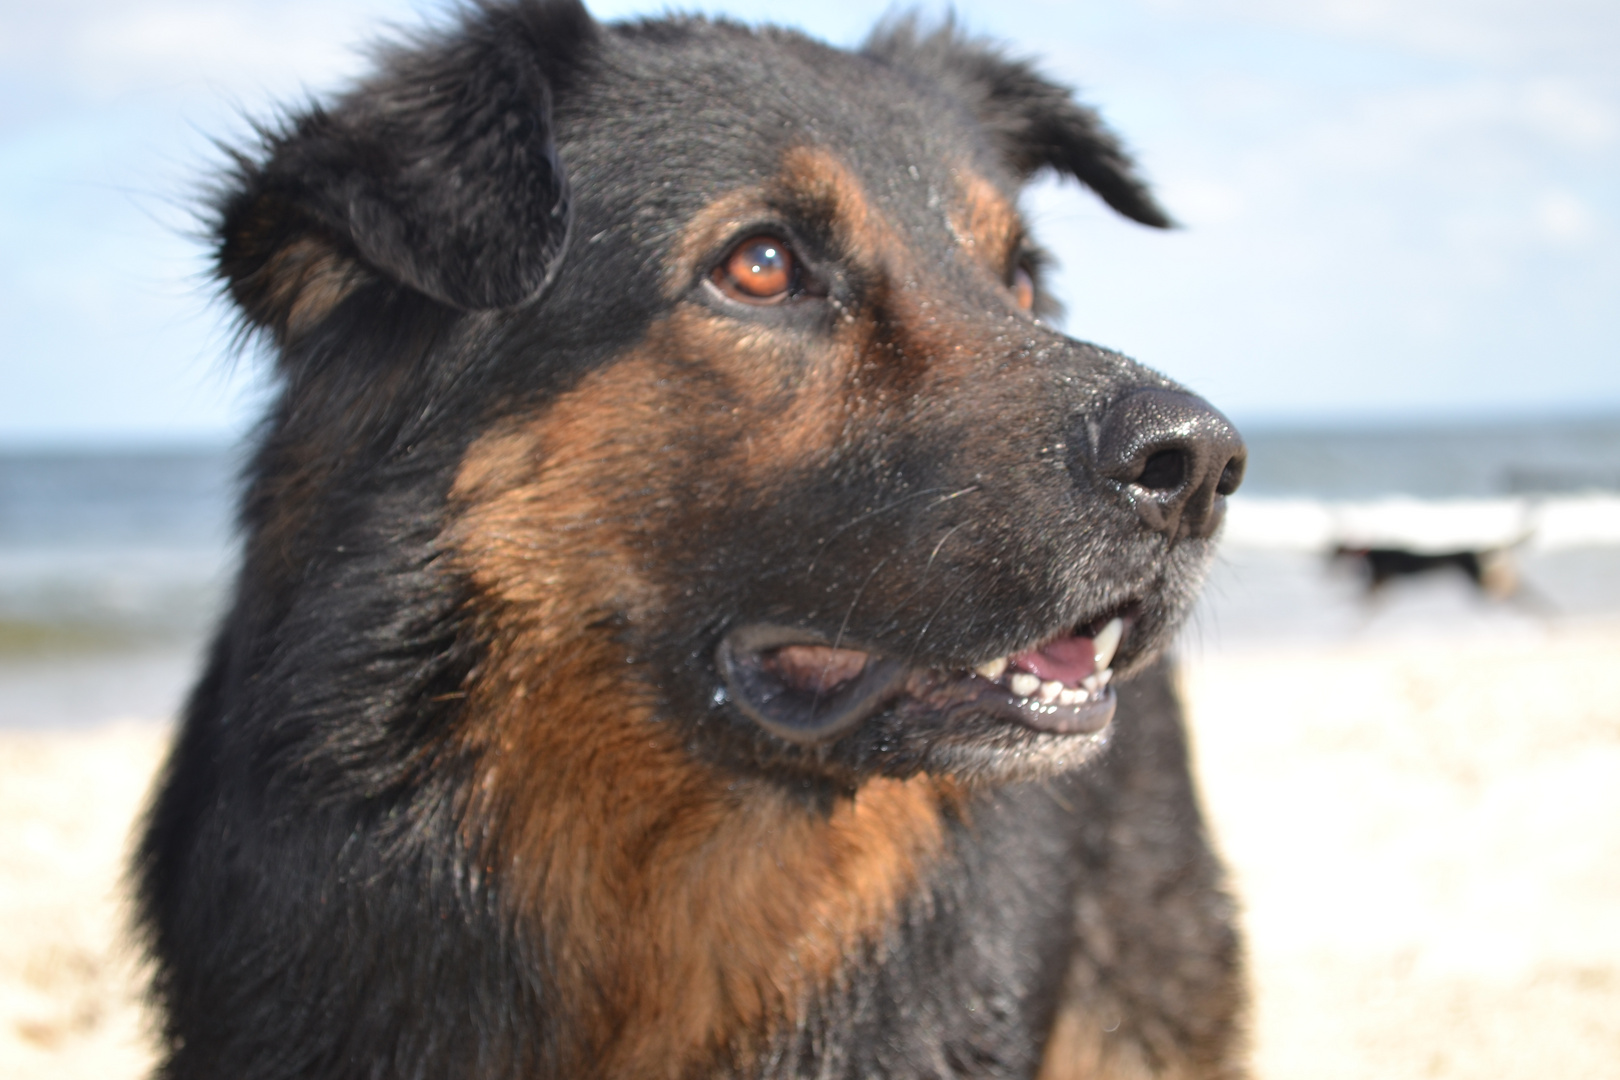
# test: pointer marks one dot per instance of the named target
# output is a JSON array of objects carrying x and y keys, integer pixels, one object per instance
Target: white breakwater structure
[{"x": 1553, "y": 523}]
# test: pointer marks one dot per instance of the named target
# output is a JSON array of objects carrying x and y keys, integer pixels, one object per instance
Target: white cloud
[
  {"x": 1572, "y": 33},
  {"x": 1568, "y": 113},
  {"x": 101, "y": 49},
  {"x": 1463, "y": 137},
  {"x": 1563, "y": 218}
]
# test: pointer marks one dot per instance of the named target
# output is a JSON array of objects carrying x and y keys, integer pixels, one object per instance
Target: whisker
[
  {"x": 895, "y": 505},
  {"x": 932, "y": 555},
  {"x": 849, "y": 613},
  {"x": 854, "y": 603},
  {"x": 911, "y": 654},
  {"x": 922, "y": 579}
]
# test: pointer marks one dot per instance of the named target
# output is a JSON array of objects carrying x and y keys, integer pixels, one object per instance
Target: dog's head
[{"x": 723, "y": 354}]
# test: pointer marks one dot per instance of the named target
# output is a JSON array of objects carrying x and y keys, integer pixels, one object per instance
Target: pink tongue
[{"x": 1068, "y": 660}]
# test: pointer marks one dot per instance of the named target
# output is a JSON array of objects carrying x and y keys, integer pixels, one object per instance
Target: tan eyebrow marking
[
  {"x": 988, "y": 223},
  {"x": 812, "y": 183}
]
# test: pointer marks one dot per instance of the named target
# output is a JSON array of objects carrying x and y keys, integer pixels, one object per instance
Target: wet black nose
[{"x": 1176, "y": 458}]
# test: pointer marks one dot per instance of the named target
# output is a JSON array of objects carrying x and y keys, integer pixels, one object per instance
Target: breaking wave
[{"x": 1552, "y": 523}]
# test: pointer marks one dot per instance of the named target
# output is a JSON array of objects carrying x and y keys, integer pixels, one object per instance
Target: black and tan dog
[{"x": 682, "y": 583}]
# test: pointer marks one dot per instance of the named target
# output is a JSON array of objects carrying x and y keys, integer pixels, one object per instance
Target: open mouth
[{"x": 808, "y": 691}]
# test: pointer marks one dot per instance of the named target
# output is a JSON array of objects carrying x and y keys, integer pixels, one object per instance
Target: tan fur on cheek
[
  {"x": 769, "y": 407},
  {"x": 684, "y": 914}
]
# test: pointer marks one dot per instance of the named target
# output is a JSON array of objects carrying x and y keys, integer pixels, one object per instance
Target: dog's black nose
[{"x": 1176, "y": 458}]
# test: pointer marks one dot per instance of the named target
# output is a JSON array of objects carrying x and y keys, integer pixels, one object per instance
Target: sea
[{"x": 115, "y": 563}]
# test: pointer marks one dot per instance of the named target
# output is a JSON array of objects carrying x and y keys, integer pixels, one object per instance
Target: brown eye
[
  {"x": 759, "y": 270},
  {"x": 1023, "y": 288}
]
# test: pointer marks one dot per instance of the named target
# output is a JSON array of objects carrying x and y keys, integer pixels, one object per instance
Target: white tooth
[
  {"x": 992, "y": 669},
  {"x": 1050, "y": 690},
  {"x": 1091, "y": 683},
  {"x": 1104, "y": 675},
  {"x": 1024, "y": 684},
  {"x": 1106, "y": 642},
  {"x": 1071, "y": 697}
]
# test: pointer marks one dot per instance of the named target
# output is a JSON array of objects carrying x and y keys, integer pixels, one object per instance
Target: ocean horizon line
[{"x": 1266, "y": 423}]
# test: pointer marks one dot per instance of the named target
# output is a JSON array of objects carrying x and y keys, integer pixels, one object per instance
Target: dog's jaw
[
  {"x": 1027, "y": 713},
  {"x": 800, "y": 688}
]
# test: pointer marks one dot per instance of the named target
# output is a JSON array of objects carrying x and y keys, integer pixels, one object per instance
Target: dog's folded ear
[
  {"x": 440, "y": 175},
  {"x": 1035, "y": 122}
]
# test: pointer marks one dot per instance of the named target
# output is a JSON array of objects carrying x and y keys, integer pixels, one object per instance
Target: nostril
[
  {"x": 1164, "y": 471},
  {"x": 1174, "y": 457}
]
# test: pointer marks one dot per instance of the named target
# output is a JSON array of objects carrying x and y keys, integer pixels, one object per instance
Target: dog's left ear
[
  {"x": 1035, "y": 122},
  {"x": 439, "y": 174}
]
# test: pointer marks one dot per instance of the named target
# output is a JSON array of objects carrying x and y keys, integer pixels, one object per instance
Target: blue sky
[{"x": 1393, "y": 207}]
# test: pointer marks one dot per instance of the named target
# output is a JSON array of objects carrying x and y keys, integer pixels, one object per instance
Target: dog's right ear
[
  {"x": 1035, "y": 123},
  {"x": 439, "y": 174}
]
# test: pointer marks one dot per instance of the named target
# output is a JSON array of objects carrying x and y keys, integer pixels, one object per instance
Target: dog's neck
[{"x": 684, "y": 913}]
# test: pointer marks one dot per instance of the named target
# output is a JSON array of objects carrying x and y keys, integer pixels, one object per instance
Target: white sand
[
  {"x": 1426, "y": 836},
  {"x": 69, "y": 1004}
]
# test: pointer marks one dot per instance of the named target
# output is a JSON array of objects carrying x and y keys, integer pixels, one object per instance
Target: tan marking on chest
[{"x": 685, "y": 914}]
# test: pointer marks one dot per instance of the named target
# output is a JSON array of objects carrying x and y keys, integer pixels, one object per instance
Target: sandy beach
[
  {"x": 69, "y": 996},
  {"x": 1426, "y": 839},
  {"x": 1425, "y": 835}
]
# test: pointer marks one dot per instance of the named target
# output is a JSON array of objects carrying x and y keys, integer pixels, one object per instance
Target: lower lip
[{"x": 935, "y": 692}]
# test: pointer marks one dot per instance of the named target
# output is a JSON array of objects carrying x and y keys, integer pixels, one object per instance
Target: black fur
[
  {"x": 448, "y": 183},
  {"x": 1036, "y": 124},
  {"x": 461, "y": 239}
]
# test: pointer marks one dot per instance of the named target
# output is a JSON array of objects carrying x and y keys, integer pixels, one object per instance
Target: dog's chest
[{"x": 966, "y": 983}]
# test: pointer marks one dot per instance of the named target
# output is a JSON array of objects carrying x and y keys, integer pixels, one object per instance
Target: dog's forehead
[{"x": 694, "y": 115}]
